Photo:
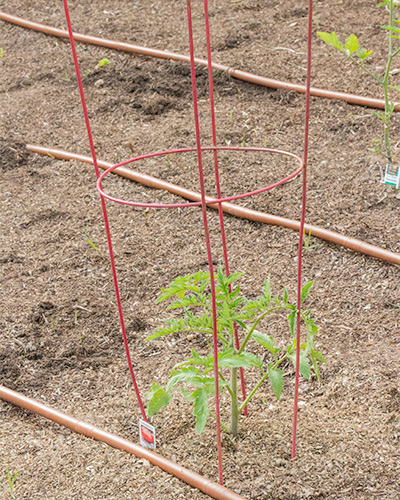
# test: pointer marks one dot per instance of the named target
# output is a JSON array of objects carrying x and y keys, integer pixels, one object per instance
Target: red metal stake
[
  {"x": 207, "y": 239},
  {"x": 103, "y": 205},
  {"x": 301, "y": 230},
  {"x": 218, "y": 186}
]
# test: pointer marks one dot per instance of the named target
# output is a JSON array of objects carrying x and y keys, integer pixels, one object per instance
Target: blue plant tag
[{"x": 392, "y": 175}]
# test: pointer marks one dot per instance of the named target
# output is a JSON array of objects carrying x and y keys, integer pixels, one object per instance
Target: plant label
[
  {"x": 392, "y": 175},
  {"x": 147, "y": 435}
]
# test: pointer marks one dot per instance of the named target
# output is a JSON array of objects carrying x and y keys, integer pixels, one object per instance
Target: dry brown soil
[{"x": 60, "y": 335}]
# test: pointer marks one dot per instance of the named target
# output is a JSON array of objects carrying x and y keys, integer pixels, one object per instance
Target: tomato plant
[
  {"x": 357, "y": 55},
  {"x": 193, "y": 378}
]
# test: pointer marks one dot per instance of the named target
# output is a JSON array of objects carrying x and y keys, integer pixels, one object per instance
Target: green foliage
[
  {"x": 103, "y": 62},
  {"x": 351, "y": 49},
  {"x": 11, "y": 483},
  {"x": 193, "y": 378}
]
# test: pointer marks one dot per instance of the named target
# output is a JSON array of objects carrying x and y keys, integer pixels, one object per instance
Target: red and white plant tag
[
  {"x": 392, "y": 175},
  {"x": 147, "y": 435}
]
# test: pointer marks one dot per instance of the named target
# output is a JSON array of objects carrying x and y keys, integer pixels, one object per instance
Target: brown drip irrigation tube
[
  {"x": 230, "y": 208},
  {"x": 235, "y": 73},
  {"x": 205, "y": 485}
]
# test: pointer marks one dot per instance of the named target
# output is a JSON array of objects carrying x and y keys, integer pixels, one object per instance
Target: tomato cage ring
[{"x": 208, "y": 200}]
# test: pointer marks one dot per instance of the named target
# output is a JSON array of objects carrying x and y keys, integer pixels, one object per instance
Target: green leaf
[
  {"x": 330, "y": 39},
  {"x": 318, "y": 356},
  {"x": 304, "y": 368},
  {"x": 159, "y": 399},
  {"x": 191, "y": 300},
  {"x": 305, "y": 290},
  {"x": 276, "y": 300},
  {"x": 315, "y": 357},
  {"x": 231, "y": 360},
  {"x": 103, "y": 62},
  {"x": 351, "y": 44},
  {"x": 276, "y": 379},
  {"x": 363, "y": 54},
  {"x": 265, "y": 340},
  {"x": 233, "y": 277},
  {"x": 190, "y": 375},
  {"x": 200, "y": 408},
  {"x": 185, "y": 283},
  {"x": 175, "y": 326},
  {"x": 252, "y": 359},
  {"x": 285, "y": 296},
  {"x": 316, "y": 368},
  {"x": 266, "y": 289},
  {"x": 292, "y": 322}
]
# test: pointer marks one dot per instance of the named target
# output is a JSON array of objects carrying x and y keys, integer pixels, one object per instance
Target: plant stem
[
  {"x": 250, "y": 332},
  {"x": 255, "y": 389},
  {"x": 366, "y": 70},
  {"x": 224, "y": 426},
  {"x": 259, "y": 383},
  {"x": 234, "y": 403},
  {"x": 226, "y": 386},
  {"x": 385, "y": 86}
]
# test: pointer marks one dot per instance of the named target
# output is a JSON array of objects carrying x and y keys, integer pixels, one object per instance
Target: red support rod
[
  {"x": 301, "y": 231},
  {"x": 104, "y": 209},
  {"x": 207, "y": 239},
  {"x": 217, "y": 182}
]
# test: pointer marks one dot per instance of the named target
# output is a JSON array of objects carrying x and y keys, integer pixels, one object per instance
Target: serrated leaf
[
  {"x": 153, "y": 389},
  {"x": 191, "y": 300},
  {"x": 233, "y": 277},
  {"x": 185, "y": 393},
  {"x": 285, "y": 296},
  {"x": 190, "y": 375},
  {"x": 200, "y": 408},
  {"x": 305, "y": 291},
  {"x": 292, "y": 322},
  {"x": 265, "y": 340},
  {"x": 235, "y": 361},
  {"x": 363, "y": 54},
  {"x": 316, "y": 369},
  {"x": 253, "y": 359},
  {"x": 318, "y": 356},
  {"x": 330, "y": 39},
  {"x": 304, "y": 368},
  {"x": 266, "y": 289},
  {"x": 351, "y": 43},
  {"x": 175, "y": 326},
  {"x": 276, "y": 379},
  {"x": 159, "y": 400}
]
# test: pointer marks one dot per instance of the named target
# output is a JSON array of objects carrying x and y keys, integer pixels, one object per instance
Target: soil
[{"x": 60, "y": 336}]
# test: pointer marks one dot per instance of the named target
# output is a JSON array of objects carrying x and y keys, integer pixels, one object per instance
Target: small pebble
[{"x": 99, "y": 83}]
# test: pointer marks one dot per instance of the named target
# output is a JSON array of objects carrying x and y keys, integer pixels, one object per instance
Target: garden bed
[{"x": 60, "y": 336}]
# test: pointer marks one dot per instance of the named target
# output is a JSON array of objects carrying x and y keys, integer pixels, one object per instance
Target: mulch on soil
[{"x": 60, "y": 336}]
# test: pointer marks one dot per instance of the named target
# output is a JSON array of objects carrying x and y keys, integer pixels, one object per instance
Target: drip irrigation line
[
  {"x": 105, "y": 216},
  {"x": 246, "y": 76},
  {"x": 195, "y": 480},
  {"x": 230, "y": 208},
  {"x": 207, "y": 239}
]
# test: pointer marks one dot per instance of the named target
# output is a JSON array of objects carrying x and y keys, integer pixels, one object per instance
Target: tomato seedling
[
  {"x": 193, "y": 378},
  {"x": 357, "y": 55}
]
